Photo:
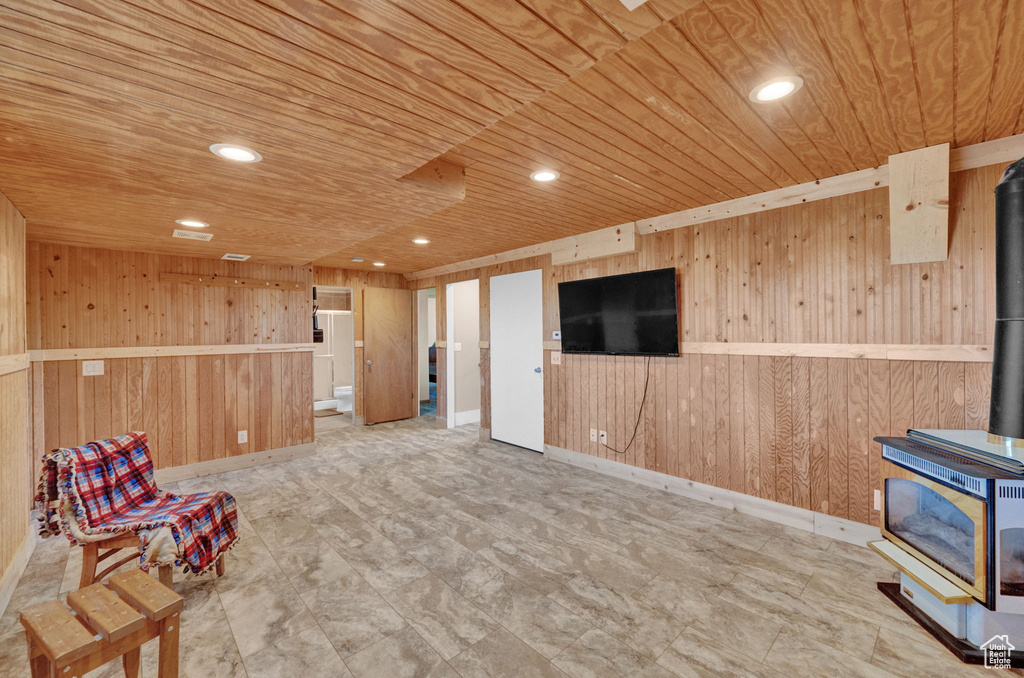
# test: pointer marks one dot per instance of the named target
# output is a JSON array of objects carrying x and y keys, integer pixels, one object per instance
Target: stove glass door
[
  {"x": 932, "y": 524},
  {"x": 943, "y": 527}
]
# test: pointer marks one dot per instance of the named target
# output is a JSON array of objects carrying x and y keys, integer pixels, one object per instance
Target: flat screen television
[{"x": 631, "y": 314}]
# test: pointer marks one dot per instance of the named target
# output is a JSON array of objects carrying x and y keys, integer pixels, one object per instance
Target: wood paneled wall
[
  {"x": 793, "y": 429},
  {"x": 15, "y": 472},
  {"x": 357, "y": 280},
  {"x": 191, "y": 407},
  {"x": 789, "y": 429},
  {"x": 91, "y": 298}
]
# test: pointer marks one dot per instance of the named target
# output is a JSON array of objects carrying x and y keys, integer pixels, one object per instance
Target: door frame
[
  {"x": 449, "y": 367},
  {"x": 352, "y": 341},
  {"x": 449, "y": 355},
  {"x": 416, "y": 348}
]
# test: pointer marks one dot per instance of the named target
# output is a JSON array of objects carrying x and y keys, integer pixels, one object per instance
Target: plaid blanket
[{"x": 109, "y": 486}]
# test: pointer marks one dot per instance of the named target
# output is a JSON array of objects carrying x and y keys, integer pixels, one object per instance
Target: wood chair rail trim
[
  {"x": 929, "y": 352},
  {"x": 13, "y": 363},
  {"x": 54, "y": 354}
]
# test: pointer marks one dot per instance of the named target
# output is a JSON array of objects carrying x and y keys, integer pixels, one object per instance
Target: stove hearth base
[{"x": 963, "y": 650}]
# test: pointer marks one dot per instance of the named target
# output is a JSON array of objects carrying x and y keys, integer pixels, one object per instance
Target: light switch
[
  {"x": 457, "y": 346},
  {"x": 556, "y": 357},
  {"x": 92, "y": 368}
]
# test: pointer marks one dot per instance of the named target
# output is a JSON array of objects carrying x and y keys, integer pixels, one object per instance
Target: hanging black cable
[{"x": 640, "y": 412}]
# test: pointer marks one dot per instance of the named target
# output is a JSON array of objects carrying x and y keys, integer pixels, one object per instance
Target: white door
[{"x": 517, "y": 359}]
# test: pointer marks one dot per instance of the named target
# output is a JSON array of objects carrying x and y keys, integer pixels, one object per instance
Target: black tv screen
[{"x": 631, "y": 314}]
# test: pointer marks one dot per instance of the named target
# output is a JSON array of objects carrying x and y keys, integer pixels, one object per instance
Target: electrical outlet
[
  {"x": 603, "y": 435},
  {"x": 243, "y": 437},
  {"x": 556, "y": 357},
  {"x": 92, "y": 368},
  {"x": 593, "y": 435},
  {"x": 878, "y": 500}
]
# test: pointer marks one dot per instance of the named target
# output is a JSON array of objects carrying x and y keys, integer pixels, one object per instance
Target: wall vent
[
  {"x": 193, "y": 235},
  {"x": 236, "y": 257}
]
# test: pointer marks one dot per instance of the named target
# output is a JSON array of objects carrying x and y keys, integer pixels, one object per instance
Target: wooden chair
[
  {"x": 92, "y": 557},
  {"x": 102, "y": 496}
]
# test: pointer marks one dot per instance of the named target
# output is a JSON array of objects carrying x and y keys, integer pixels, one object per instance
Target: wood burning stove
[
  {"x": 953, "y": 515},
  {"x": 953, "y": 506}
]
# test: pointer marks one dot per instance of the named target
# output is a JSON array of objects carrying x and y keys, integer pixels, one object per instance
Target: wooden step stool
[{"x": 106, "y": 623}]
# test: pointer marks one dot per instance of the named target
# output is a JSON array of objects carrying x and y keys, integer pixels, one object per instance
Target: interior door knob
[
  {"x": 537, "y": 370},
  {"x": 369, "y": 362}
]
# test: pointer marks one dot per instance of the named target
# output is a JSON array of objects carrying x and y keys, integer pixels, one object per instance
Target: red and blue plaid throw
[{"x": 110, "y": 485}]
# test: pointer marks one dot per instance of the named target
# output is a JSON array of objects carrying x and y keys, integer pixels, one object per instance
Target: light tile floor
[{"x": 404, "y": 550}]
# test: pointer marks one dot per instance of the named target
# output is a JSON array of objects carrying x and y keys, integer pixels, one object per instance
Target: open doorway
[
  {"x": 426, "y": 344},
  {"x": 462, "y": 360},
  {"x": 334, "y": 356}
]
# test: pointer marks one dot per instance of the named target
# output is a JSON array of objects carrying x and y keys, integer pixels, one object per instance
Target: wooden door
[{"x": 389, "y": 375}]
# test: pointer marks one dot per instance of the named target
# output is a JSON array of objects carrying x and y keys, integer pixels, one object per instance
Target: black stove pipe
[{"x": 1006, "y": 416}]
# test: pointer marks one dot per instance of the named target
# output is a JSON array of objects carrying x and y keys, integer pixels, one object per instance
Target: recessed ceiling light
[
  {"x": 544, "y": 175},
  {"x": 421, "y": 241},
  {"x": 378, "y": 263},
  {"x": 358, "y": 260},
  {"x": 236, "y": 153},
  {"x": 776, "y": 88},
  {"x": 191, "y": 222}
]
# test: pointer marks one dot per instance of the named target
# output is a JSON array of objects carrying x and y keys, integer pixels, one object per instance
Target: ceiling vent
[
  {"x": 236, "y": 257},
  {"x": 192, "y": 235}
]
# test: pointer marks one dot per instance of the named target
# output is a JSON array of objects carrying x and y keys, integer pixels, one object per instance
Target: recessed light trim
[
  {"x": 358, "y": 260},
  {"x": 775, "y": 89},
  {"x": 235, "y": 152},
  {"x": 194, "y": 223},
  {"x": 379, "y": 263},
  {"x": 544, "y": 175},
  {"x": 421, "y": 241}
]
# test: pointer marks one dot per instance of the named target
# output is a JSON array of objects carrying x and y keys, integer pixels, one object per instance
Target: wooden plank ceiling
[{"x": 109, "y": 106}]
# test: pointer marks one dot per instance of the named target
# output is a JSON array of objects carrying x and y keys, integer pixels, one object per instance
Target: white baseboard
[
  {"x": 803, "y": 519},
  {"x": 12, "y": 575},
  {"x": 207, "y": 468},
  {"x": 468, "y": 417}
]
